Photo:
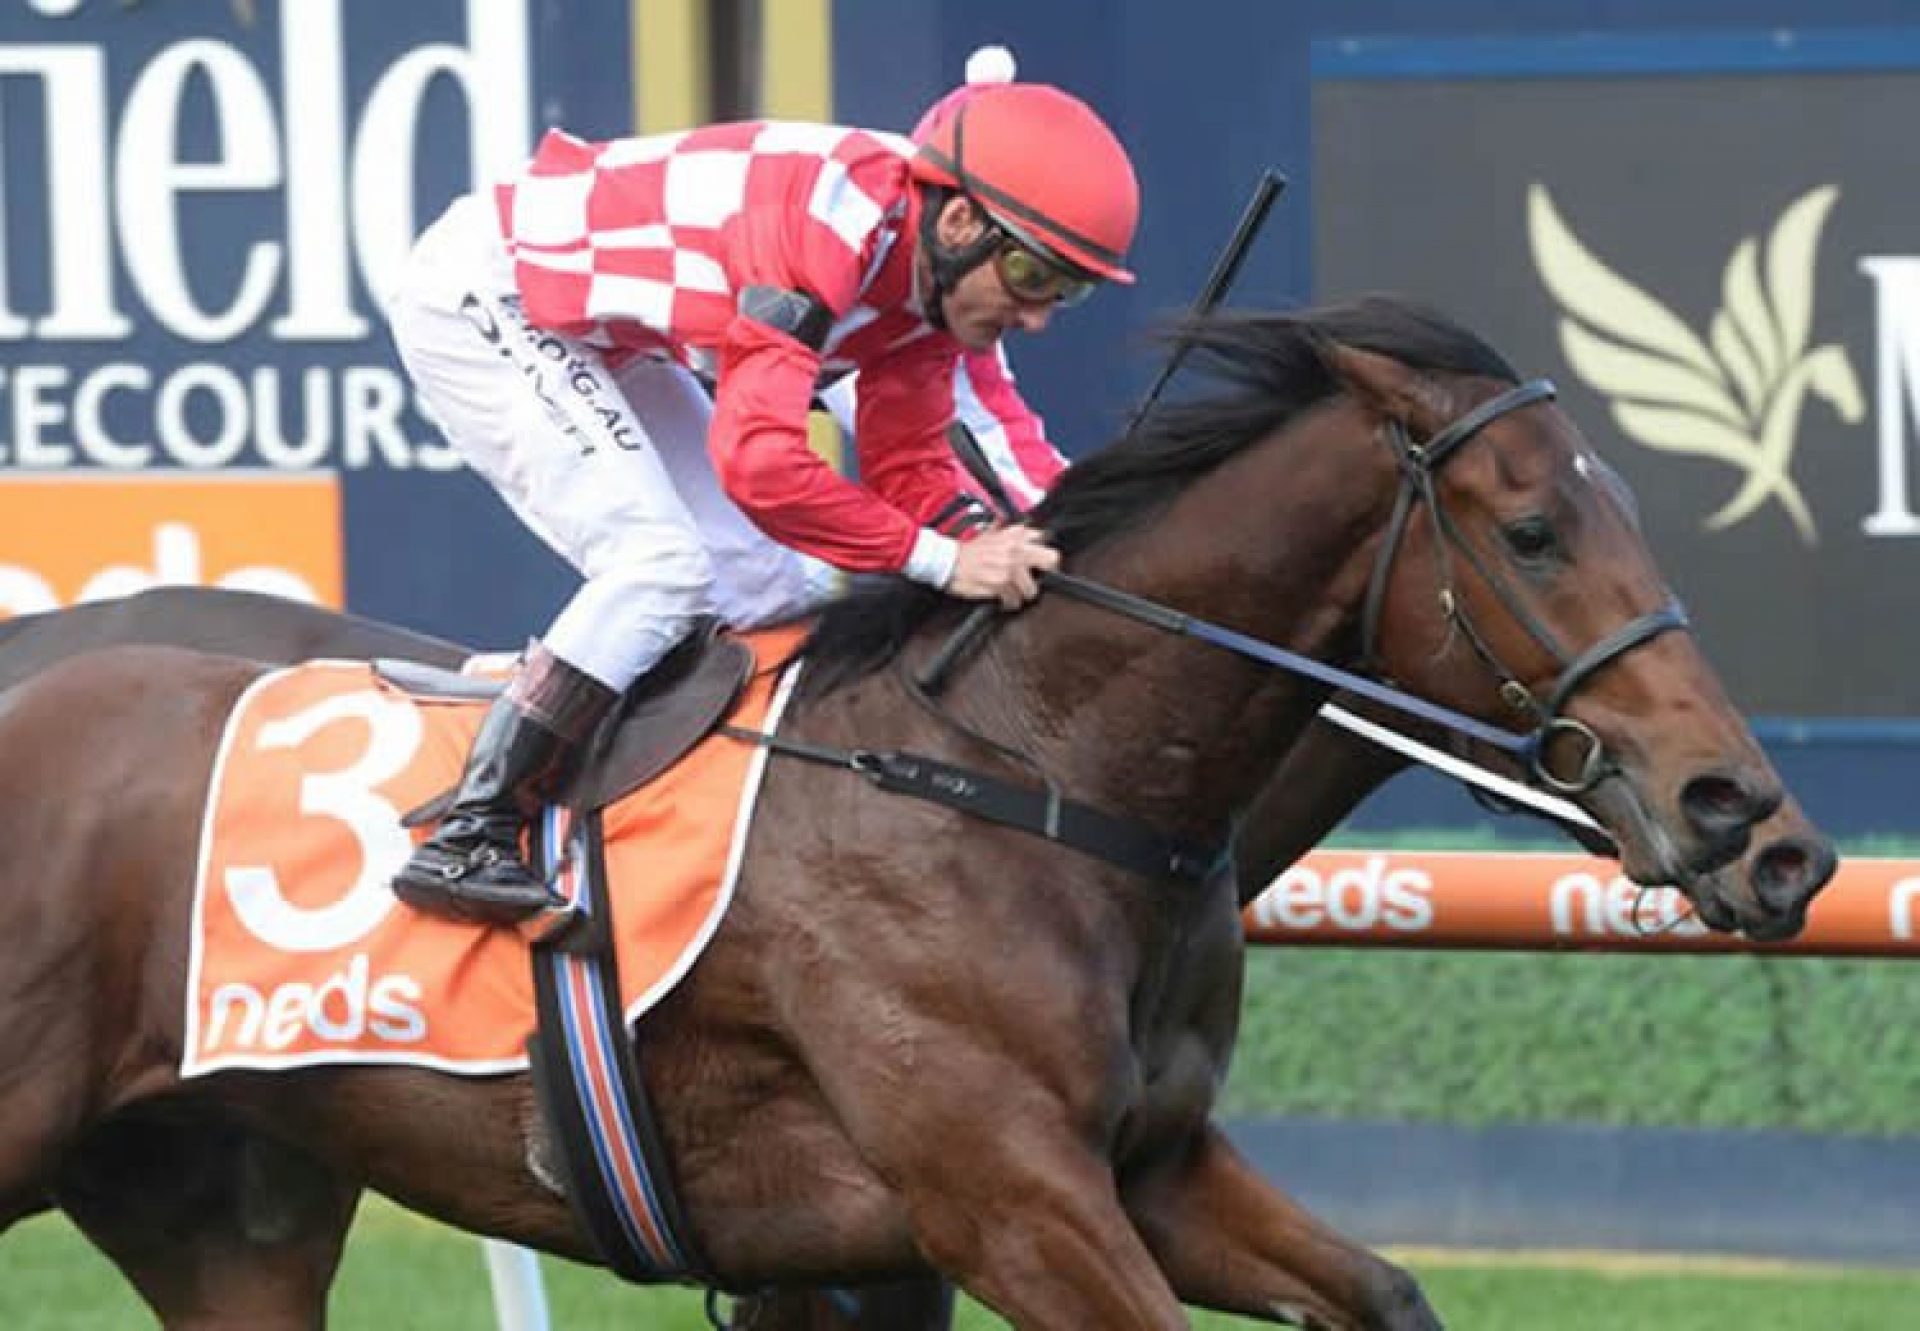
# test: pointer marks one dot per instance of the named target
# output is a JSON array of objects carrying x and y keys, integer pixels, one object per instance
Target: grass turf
[{"x": 406, "y": 1274}]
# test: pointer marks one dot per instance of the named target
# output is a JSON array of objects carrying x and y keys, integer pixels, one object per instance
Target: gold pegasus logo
[{"x": 1737, "y": 396}]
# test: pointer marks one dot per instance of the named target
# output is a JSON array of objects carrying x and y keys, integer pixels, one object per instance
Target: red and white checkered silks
[
  {"x": 640, "y": 246},
  {"x": 1008, "y": 431},
  {"x": 643, "y": 244}
]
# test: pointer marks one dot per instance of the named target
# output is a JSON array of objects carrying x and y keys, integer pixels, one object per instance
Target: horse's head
[
  {"x": 1511, "y": 582},
  {"x": 1372, "y": 488}
]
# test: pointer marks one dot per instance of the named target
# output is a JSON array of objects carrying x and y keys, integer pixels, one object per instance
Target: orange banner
[
  {"x": 79, "y": 537},
  {"x": 1531, "y": 902}
]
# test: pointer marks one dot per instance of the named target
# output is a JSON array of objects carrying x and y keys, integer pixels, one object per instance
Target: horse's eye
[{"x": 1532, "y": 540}]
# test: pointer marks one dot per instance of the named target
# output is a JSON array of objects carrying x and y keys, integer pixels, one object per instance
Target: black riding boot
[{"x": 474, "y": 867}]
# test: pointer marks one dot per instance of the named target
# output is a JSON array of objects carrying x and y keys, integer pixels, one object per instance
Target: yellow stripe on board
[
  {"x": 796, "y": 59},
  {"x": 669, "y": 64},
  {"x": 796, "y": 83}
]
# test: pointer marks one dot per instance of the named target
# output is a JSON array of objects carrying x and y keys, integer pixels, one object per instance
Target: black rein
[{"x": 1142, "y": 850}]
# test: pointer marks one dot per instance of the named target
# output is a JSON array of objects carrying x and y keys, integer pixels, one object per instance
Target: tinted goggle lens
[{"x": 1032, "y": 278}]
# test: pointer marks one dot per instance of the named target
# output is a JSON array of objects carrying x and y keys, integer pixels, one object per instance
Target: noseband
[{"x": 1419, "y": 465}]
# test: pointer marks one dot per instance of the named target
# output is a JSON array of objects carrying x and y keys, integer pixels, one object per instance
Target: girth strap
[
  {"x": 585, "y": 1070},
  {"x": 1043, "y": 813}
]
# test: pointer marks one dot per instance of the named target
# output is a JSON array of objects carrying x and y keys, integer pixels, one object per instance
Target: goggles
[{"x": 1034, "y": 280}]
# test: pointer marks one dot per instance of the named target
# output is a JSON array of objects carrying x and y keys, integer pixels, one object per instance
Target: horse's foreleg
[
  {"x": 217, "y": 1227},
  {"x": 1229, "y": 1240},
  {"x": 1029, "y": 1223}
]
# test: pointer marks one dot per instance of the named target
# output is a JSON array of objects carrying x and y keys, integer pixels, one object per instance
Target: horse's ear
[{"x": 1393, "y": 389}]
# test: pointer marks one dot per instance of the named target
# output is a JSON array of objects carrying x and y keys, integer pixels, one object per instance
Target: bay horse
[
  {"x": 1319, "y": 781},
  {"x": 1061, "y": 1164}
]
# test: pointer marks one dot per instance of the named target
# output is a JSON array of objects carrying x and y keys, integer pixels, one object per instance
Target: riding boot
[{"x": 473, "y": 867}]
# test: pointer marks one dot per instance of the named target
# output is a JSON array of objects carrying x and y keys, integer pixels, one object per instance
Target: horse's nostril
[
  {"x": 1787, "y": 872},
  {"x": 1719, "y": 805}
]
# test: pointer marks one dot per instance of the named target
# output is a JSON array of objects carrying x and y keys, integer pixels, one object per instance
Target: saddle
[{"x": 666, "y": 712}]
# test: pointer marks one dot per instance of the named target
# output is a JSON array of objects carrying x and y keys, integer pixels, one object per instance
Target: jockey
[
  {"x": 985, "y": 401},
  {"x": 555, "y": 328}
]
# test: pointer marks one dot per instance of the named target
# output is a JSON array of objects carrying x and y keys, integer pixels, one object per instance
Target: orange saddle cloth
[{"x": 302, "y": 955}]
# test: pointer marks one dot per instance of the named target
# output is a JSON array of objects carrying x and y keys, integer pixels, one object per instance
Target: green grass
[
  {"x": 1508, "y": 1299},
  {"x": 406, "y": 1274}
]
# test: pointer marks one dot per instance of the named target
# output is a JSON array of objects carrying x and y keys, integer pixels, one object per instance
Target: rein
[
  {"x": 1418, "y": 465},
  {"x": 1046, "y": 813},
  {"x": 1144, "y": 611}
]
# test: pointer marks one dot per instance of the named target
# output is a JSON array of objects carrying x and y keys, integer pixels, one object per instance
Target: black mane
[{"x": 1264, "y": 369}]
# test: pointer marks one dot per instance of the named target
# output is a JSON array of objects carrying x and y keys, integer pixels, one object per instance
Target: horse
[
  {"x": 1062, "y": 1167},
  {"x": 1319, "y": 781},
  {"x": 1332, "y": 768}
]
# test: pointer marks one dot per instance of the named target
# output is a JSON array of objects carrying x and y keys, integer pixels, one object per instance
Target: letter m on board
[{"x": 1896, "y": 284}]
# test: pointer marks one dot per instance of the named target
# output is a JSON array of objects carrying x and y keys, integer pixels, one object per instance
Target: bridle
[
  {"x": 1419, "y": 464},
  {"x": 1046, "y": 812}
]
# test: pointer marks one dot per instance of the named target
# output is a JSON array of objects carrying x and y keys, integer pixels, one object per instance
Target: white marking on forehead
[{"x": 1583, "y": 463}]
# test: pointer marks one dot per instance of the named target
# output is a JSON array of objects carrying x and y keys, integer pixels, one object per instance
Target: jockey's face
[{"x": 981, "y": 309}]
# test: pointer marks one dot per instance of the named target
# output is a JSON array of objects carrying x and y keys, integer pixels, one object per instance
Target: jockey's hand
[{"x": 1002, "y": 565}]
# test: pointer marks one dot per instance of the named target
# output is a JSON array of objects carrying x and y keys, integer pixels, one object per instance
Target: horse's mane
[{"x": 1263, "y": 369}]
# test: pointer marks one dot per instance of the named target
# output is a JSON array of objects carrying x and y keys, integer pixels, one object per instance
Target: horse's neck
[{"x": 1181, "y": 731}]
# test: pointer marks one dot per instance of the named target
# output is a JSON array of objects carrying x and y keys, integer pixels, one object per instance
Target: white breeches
[{"x": 612, "y": 471}]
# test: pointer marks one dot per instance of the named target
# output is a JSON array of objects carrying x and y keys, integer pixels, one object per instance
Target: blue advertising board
[
  {"x": 202, "y": 205},
  {"x": 1207, "y": 94}
]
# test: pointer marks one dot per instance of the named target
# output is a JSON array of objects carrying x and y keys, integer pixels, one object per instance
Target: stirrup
[{"x": 454, "y": 884}]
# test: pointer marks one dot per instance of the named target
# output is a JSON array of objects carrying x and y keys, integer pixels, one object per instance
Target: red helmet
[{"x": 1044, "y": 167}]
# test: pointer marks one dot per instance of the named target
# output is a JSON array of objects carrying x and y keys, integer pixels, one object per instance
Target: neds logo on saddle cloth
[{"x": 302, "y": 955}]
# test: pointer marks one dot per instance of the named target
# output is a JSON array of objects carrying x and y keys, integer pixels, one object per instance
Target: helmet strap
[{"x": 948, "y": 264}]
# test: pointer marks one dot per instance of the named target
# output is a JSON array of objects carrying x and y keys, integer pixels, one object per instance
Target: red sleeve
[
  {"x": 900, "y": 436},
  {"x": 766, "y": 380},
  {"x": 759, "y": 444}
]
